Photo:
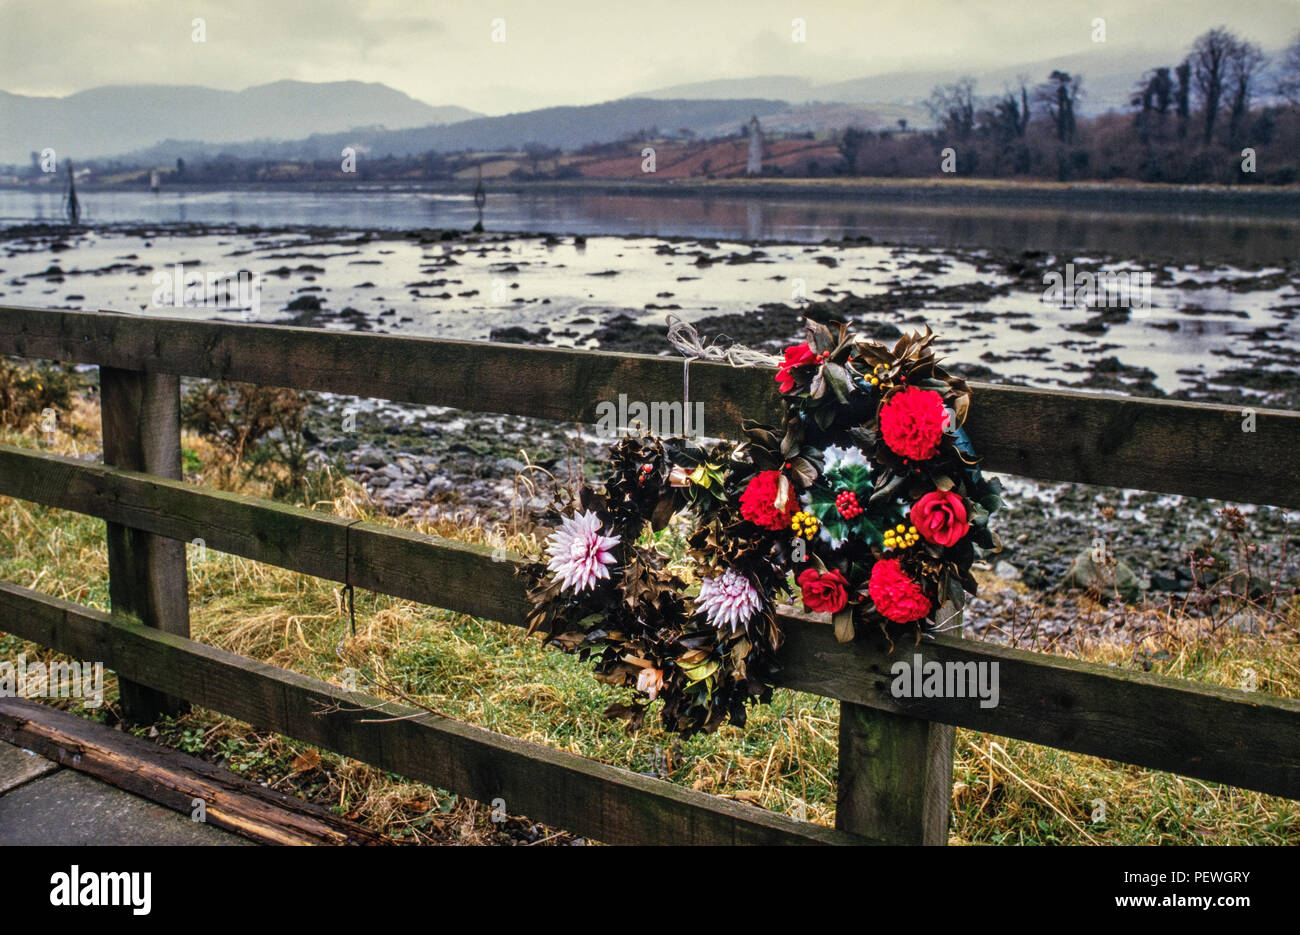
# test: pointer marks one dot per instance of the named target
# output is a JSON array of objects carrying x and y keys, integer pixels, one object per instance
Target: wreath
[{"x": 866, "y": 504}]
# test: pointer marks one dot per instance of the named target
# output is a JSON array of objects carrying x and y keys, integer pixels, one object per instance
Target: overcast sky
[{"x": 572, "y": 51}]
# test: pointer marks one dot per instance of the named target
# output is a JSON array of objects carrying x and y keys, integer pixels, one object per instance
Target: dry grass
[{"x": 1005, "y": 791}]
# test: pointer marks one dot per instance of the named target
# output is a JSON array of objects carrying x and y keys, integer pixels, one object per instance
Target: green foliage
[
  {"x": 27, "y": 390},
  {"x": 259, "y": 428},
  {"x": 191, "y": 463}
]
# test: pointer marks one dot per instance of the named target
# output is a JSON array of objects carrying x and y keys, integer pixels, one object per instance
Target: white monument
[{"x": 755, "y": 164}]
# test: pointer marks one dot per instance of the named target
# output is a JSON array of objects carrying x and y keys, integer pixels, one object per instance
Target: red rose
[
  {"x": 758, "y": 502},
  {"x": 896, "y": 595},
  {"x": 912, "y": 423},
  {"x": 796, "y": 355},
  {"x": 823, "y": 593},
  {"x": 940, "y": 517}
]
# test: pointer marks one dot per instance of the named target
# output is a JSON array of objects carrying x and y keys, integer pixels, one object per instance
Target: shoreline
[{"x": 1120, "y": 197}]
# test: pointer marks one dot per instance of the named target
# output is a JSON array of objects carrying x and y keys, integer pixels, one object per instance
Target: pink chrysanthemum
[
  {"x": 730, "y": 599},
  {"x": 579, "y": 553}
]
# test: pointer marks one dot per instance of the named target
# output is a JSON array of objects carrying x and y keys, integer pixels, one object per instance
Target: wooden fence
[{"x": 895, "y": 754}]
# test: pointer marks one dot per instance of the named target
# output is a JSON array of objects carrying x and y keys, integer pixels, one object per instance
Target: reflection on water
[{"x": 1182, "y": 237}]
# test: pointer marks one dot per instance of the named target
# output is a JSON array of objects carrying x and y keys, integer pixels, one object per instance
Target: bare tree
[
  {"x": 1245, "y": 63},
  {"x": 1059, "y": 95},
  {"x": 1008, "y": 116},
  {"x": 851, "y": 141},
  {"x": 953, "y": 107},
  {"x": 1183, "y": 95},
  {"x": 1154, "y": 92},
  {"x": 1211, "y": 54},
  {"x": 1288, "y": 72},
  {"x": 1152, "y": 96}
]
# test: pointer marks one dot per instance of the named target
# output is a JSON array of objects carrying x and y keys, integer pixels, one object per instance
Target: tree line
[{"x": 1219, "y": 115}]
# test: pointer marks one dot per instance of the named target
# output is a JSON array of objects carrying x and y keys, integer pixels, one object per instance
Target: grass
[{"x": 1005, "y": 791}]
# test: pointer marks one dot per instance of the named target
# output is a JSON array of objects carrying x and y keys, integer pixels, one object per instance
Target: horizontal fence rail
[
  {"x": 895, "y": 758},
  {"x": 1195, "y": 449},
  {"x": 1209, "y": 732},
  {"x": 562, "y": 789}
]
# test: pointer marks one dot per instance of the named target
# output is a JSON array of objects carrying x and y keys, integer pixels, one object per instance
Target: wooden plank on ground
[
  {"x": 174, "y": 779},
  {"x": 1199, "y": 450},
  {"x": 552, "y": 786}
]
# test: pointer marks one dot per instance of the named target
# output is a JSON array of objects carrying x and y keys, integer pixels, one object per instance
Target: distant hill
[
  {"x": 116, "y": 119},
  {"x": 566, "y": 128},
  {"x": 1109, "y": 75}
]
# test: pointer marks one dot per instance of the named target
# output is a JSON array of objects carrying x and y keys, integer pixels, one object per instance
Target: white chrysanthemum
[
  {"x": 730, "y": 599},
  {"x": 579, "y": 553},
  {"x": 837, "y": 457}
]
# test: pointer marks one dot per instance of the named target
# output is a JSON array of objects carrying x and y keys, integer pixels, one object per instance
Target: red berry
[{"x": 847, "y": 504}]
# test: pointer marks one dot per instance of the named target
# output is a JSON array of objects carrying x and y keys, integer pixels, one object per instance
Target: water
[
  {"x": 1197, "y": 325},
  {"x": 1172, "y": 235}
]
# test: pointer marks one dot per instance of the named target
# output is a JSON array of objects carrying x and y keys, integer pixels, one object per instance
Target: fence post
[
  {"x": 895, "y": 772},
  {"x": 140, "y": 415}
]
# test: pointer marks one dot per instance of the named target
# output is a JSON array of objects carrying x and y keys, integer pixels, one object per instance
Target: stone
[
  {"x": 1161, "y": 582},
  {"x": 18, "y": 766},
  {"x": 68, "y": 808},
  {"x": 1102, "y": 580},
  {"x": 1006, "y": 570},
  {"x": 1035, "y": 577}
]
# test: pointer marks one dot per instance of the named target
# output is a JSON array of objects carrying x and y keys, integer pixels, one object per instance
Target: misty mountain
[
  {"x": 1109, "y": 75},
  {"x": 561, "y": 127},
  {"x": 116, "y": 119}
]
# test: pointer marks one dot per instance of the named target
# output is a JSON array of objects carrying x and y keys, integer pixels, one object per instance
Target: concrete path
[{"x": 42, "y": 803}]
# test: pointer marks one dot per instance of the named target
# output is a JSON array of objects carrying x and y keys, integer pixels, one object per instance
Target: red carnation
[
  {"x": 796, "y": 355},
  {"x": 823, "y": 592},
  {"x": 940, "y": 517},
  {"x": 912, "y": 423},
  {"x": 896, "y": 595},
  {"x": 758, "y": 502}
]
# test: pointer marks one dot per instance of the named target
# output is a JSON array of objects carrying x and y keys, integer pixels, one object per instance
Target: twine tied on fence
[{"x": 684, "y": 337}]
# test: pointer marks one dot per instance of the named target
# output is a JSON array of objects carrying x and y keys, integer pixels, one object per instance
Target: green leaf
[{"x": 700, "y": 670}]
